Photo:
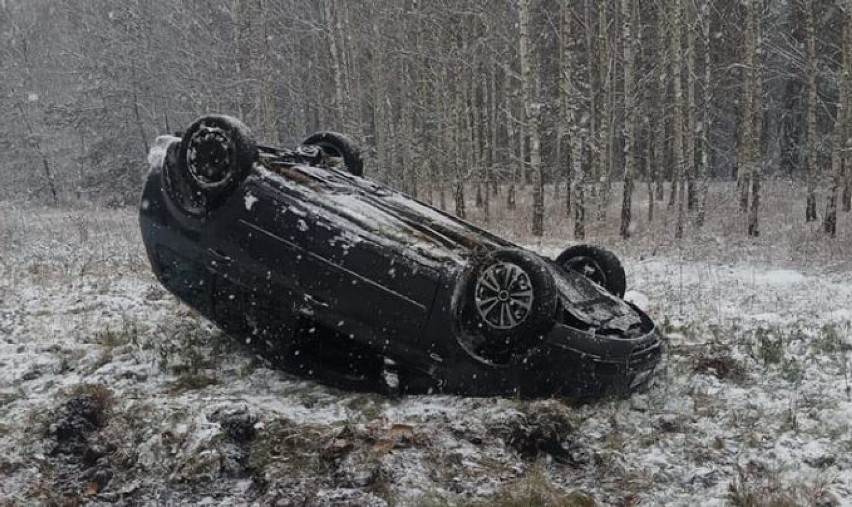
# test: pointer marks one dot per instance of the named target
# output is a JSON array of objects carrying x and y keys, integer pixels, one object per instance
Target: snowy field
[{"x": 112, "y": 391}]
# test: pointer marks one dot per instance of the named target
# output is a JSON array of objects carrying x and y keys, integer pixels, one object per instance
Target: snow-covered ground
[{"x": 112, "y": 390}]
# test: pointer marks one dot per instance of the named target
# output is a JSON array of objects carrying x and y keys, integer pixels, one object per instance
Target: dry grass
[
  {"x": 535, "y": 489},
  {"x": 756, "y": 487},
  {"x": 41, "y": 244}
]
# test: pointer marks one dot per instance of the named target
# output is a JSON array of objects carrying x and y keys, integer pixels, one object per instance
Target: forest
[
  {"x": 168, "y": 349},
  {"x": 465, "y": 104}
]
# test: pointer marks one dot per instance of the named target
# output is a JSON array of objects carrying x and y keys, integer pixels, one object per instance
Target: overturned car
[{"x": 337, "y": 278}]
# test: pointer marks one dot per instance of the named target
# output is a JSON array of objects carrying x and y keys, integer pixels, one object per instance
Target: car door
[{"x": 335, "y": 272}]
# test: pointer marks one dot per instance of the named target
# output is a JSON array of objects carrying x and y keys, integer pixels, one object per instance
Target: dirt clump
[
  {"x": 80, "y": 459},
  {"x": 542, "y": 428}
]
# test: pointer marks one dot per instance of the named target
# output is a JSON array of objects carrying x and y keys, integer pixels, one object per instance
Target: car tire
[
  {"x": 511, "y": 302},
  {"x": 215, "y": 155},
  {"x": 598, "y": 264},
  {"x": 341, "y": 146}
]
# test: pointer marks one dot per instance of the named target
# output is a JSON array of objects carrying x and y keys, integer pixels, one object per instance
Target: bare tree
[
  {"x": 531, "y": 115},
  {"x": 659, "y": 113},
  {"x": 603, "y": 173},
  {"x": 567, "y": 101},
  {"x": 628, "y": 19},
  {"x": 705, "y": 122},
  {"x": 812, "y": 154},
  {"x": 754, "y": 160},
  {"x": 691, "y": 18},
  {"x": 677, "y": 75},
  {"x": 840, "y": 125},
  {"x": 747, "y": 133}
]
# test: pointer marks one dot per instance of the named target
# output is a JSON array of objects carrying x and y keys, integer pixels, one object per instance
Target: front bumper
[
  {"x": 569, "y": 362},
  {"x": 578, "y": 364}
]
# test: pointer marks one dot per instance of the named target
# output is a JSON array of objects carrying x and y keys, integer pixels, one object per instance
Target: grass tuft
[{"x": 535, "y": 489}]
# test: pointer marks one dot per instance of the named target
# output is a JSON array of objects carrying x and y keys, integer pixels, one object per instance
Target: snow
[
  {"x": 756, "y": 293},
  {"x": 250, "y": 200},
  {"x": 637, "y": 298},
  {"x": 158, "y": 151},
  {"x": 754, "y": 382},
  {"x": 780, "y": 277}
]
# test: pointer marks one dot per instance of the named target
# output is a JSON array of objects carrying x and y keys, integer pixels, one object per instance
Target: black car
[{"x": 332, "y": 276}]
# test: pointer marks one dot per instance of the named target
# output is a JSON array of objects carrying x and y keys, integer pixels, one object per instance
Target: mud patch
[
  {"x": 240, "y": 428},
  {"x": 80, "y": 460},
  {"x": 542, "y": 428},
  {"x": 719, "y": 363}
]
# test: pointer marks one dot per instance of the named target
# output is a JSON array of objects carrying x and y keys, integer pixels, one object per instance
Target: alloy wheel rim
[{"x": 503, "y": 295}]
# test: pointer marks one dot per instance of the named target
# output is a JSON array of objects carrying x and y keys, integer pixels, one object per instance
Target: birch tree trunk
[
  {"x": 45, "y": 164},
  {"x": 242, "y": 53},
  {"x": 493, "y": 165},
  {"x": 380, "y": 105},
  {"x": 659, "y": 145},
  {"x": 690, "y": 108},
  {"x": 846, "y": 156},
  {"x": 840, "y": 127},
  {"x": 336, "y": 52},
  {"x": 585, "y": 155},
  {"x": 580, "y": 201},
  {"x": 565, "y": 99},
  {"x": 594, "y": 104},
  {"x": 675, "y": 53},
  {"x": 406, "y": 113},
  {"x": 846, "y": 196},
  {"x": 704, "y": 125},
  {"x": 515, "y": 134},
  {"x": 458, "y": 133},
  {"x": 628, "y": 16},
  {"x": 299, "y": 114},
  {"x": 648, "y": 110},
  {"x": 604, "y": 135},
  {"x": 677, "y": 175},
  {"x": 755, "y": 157},
  {"x": 747, "y": 133},
  {"x": 812, "y": 154},
  {"x": 267, "y": 83},
  {"x": 531, "y": 116},
  {"x": 474, "y": 137},
  {"x": 351, "y": 123},
  {"x": 572, "y": 102}
]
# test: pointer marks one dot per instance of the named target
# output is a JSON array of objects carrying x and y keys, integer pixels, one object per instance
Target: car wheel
[
  {"x": 215, "y": 155},
  {"x": 511, "y": 302},
  {"x": 597, "y": 264},
  {"x": 338, "y": 148}
]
